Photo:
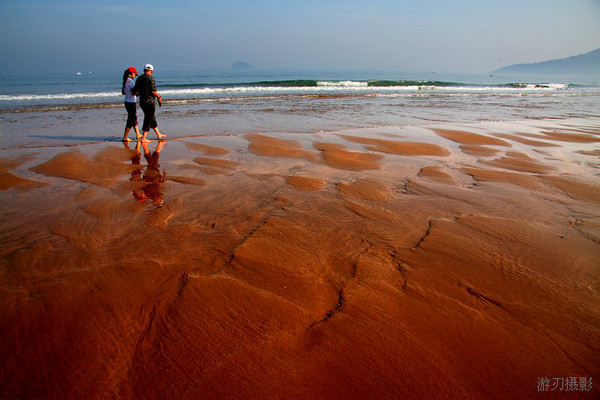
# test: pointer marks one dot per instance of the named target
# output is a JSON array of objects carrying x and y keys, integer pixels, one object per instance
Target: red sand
[{"x": 286, "y": 267}]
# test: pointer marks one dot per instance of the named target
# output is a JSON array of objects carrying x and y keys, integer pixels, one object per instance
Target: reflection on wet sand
[
  {"x": 303, "y": 269},
  {"x": 136, "y": 158},
  {"x": 152, "y": 179}
]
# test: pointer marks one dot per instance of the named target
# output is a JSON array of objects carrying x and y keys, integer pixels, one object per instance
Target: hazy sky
[{"x": 388, "y": 35}]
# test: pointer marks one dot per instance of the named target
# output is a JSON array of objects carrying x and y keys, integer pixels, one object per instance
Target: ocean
[{"x": 232, "y": 102}]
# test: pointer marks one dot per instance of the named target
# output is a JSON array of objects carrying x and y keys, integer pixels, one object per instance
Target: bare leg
[
  {"x": 125, "y": 138},
  {"x": 138, "y": 136},
  {"x": 159, "y": 135},
  {"x": 143, "y": 139}
]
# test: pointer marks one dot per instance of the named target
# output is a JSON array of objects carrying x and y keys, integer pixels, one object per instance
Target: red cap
[{"x": 133, "y": 70}]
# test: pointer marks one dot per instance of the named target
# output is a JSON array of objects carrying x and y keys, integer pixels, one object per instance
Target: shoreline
[{"x": 444, "y": 259}]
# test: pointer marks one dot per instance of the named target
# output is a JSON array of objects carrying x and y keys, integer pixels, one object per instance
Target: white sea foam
[
  {"x": 323, "y": 87},
  {"x": 350, "y": 87},
  {"x": 58, "y": 96},
  {"x": 342, "y": 84}
]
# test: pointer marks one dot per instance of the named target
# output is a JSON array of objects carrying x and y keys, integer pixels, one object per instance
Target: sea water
[{"x": 88, "y": 105}]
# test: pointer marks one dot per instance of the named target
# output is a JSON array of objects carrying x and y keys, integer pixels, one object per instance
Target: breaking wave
[{"x": 192, "y": 91}]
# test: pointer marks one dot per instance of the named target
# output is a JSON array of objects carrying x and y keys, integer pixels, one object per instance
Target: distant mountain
[
  {"x": 584, "y": 64},
  {"x": 243, "y": 66}
]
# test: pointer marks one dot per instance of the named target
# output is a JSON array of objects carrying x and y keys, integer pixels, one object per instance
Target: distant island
[
  {"x": 242, "y": 66},
  {"x": 584, "y": 64}
]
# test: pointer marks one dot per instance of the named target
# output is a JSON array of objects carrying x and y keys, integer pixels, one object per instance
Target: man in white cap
[{"x": 145, "y": 88}]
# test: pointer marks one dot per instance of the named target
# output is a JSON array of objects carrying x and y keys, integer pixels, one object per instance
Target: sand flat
[
  {"x": 207, "y": 149},
  {"x": 520, "y": 162},
  {"x": 470, "y": 138},
  {"x": 10, "y": 181},
  {"x": 529, "y": 142},
  {"x": 268, "y": 146},
  {"x": 301, "y": 270},
  {"x": 571, "y": 137},
  {"x": 336, "y": 156},
  {"x": 477, "y": 150},
  {"x": 366, "y": 189},
  {"x": 437, "y": 173},
  {"x": 305, "y": 183},
  {"x": 75, "y": 165},
  {"x": 216, "y": 162},
  {"x": 399, "y": 147}
]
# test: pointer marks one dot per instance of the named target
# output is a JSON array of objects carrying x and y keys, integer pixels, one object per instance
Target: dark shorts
[
  {"x": 149, "y": 110},
  {"x": 131, "y": 115}
]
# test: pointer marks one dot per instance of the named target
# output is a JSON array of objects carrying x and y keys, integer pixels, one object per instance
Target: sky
[{"x": 473, "y": 36}]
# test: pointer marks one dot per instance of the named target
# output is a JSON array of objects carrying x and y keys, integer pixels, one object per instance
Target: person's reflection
[
  {"x": 136, "y": 172},
  {"x": 152, "y": 179}
]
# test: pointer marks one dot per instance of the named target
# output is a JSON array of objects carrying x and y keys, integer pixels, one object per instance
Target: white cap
[{"x": 149, "y": 67}]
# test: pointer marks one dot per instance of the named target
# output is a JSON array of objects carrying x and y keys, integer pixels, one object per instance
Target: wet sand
[{"x": 419, "y": 263}]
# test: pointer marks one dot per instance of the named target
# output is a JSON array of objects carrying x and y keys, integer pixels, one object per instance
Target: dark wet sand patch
[
  {"x": 399, "y": 147},
  {"x": 464, "y": 137}
]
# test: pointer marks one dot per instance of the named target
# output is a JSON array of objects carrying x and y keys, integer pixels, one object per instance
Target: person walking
[
  {"x": 145, "y": 88},
  {"x": 130, "y": 105}
]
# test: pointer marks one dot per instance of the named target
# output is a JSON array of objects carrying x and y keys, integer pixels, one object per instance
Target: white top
[{"x": 129, "y": 97}]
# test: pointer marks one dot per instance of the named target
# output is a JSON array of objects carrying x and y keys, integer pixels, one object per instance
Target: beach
[{"x": 302, "y": 258}]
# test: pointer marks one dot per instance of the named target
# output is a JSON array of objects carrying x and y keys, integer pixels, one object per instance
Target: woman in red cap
[{"x": 132, "y": 122}]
